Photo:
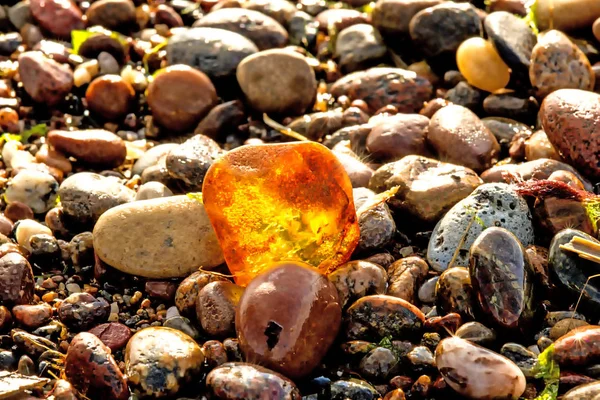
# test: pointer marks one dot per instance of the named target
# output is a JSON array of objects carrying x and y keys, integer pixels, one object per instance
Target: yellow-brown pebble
[
  {"x": 159, "y": 360},
  {"x": 481, "y": 65}
]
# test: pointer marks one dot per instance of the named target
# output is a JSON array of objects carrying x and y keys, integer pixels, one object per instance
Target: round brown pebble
[
  {"x": 90, "y": 368},
  {"x": 180, "y": 96},
  {"x": 113, "y": 334},
  {"x": 32, "y": 316},
  {"x": 215, "y": 307},
  {"x": 288, "y": 318},
  {"x": 109, "y": 96},
  {"x": 17, "y": 211}
]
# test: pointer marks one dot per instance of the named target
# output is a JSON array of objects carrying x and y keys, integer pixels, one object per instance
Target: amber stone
[
  {"x": 281, "y": 202},
  {"x": 288, "y": 318}
]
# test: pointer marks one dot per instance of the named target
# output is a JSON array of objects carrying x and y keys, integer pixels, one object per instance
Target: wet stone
[
  {"x": 112, "y": 14},
  {"x": 494, "y": 204},
  {"x": 378, "y": 316},
  {"x": 190, "y": 161},
  {"x": 216, "y": 52},
  {"x": 357, "y": 279},
  {"x": 188, "y": 290},
  {"x": 359, "y": 46},
  {"x": 32, "y": 316},
  {"x": 35, "y": 189},
  {"x": 564, "y": 326},
  {"x": 571, "y": 272},
  {"x": 427, "y": 188},
  {"x": 232, "y": 381},
  {"x": 465, "y": 95},
  {"x": 378, "y": 364},
  {"x": 31, "y": 345},
  {"x": 523, "y": 358},
  {"x": 96, "y": 147},
  {"x": 215, "y": 307},
  {"x": 439, "y": 30},
  {"x": 261, "y": 29},
  {"x": 16, "y": 280},
  {"x": 289, "y": 87},
  {"x": 513, "y": 39},
  {"x": 90, "y": 368},
  {"x": 502, "y": 279},
  {"x": 459, "y": 136},
  {"x": 160, "y": 360},
  {"x": 587, "y": 391},
  {"x": 379, "y": 87},
  {"x": 508, "y": 132},
  {"x": 397, "y": 136},
  {"x": 492, "y": 376},
  {"x": 426, "y": 293},
  {"x": 569, "y": 119},
  {"x": 377, "y": 226},
  {"x": 85, "y": 196},
  {"x": 180, "y": 96},
  {"x": 454, "y": 292},
  {"x": 44, "y": 79},
  {"x": 288, "y": 329},
  {"x": 421, "y": 360},
  {"x": 353, "y": 389},
  {"x": 81, "y": 311},
  {"x": 405, "y": 277},
  {"x": 557, "y": 63},
  {"x": 110, "y": 96},
  {"x": 222, "y": 119},
  {"x": 579, "y": 347},
  {"x": 508, "y": 105},
  {"x": 339, "y": 18},
  {"x": 57, "y": 16},
  {"x": 392, "y": 17}
]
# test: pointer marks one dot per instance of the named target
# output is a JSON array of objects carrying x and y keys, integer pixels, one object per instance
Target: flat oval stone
[
  {"x": 476, "y": 372},
  {"x": 97, "y": 147},
  {"x": 261, "y": 29},
  {"x": 379, "y": 316},
  {"x": 16, "y": 280},
  {"x": 512, "y": 37},
  {"x": 502, "y": 278},
  {"x": 277, "y": 81},
  {"x": 459, "y": 137},
  {"x": 216, "y": 52},
  {"x": 59, "y": 17},
  {"x": 357, "y": 279},
  {"x": 570, "y": 272},
  {"x": 178, "y": 238},
  {"x": 159, "y": 360},
  {"x": 232, "y": 381},
  {"x": 383, "y": 86},
  {"x": 113, "y": 334},
  {"x": 579, "y": 347}
]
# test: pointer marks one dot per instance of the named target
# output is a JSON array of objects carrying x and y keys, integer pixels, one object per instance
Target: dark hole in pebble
[
  {"x": 499, "y": 203},
  {"x": 272, "y": 333},
  {"x": 512, "y": 205}
]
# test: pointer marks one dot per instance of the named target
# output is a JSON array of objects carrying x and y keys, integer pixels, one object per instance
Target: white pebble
[
  {"x": 73, "y": 288},
  {"x": 35, "y": 188},
  {"x": 26, "y": 228}
]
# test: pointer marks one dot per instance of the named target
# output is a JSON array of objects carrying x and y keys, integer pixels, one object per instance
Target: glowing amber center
[{"x": 281, "y": 202}]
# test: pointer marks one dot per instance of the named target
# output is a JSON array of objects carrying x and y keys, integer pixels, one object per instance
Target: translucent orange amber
[{"x": 281, "y": 202}]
